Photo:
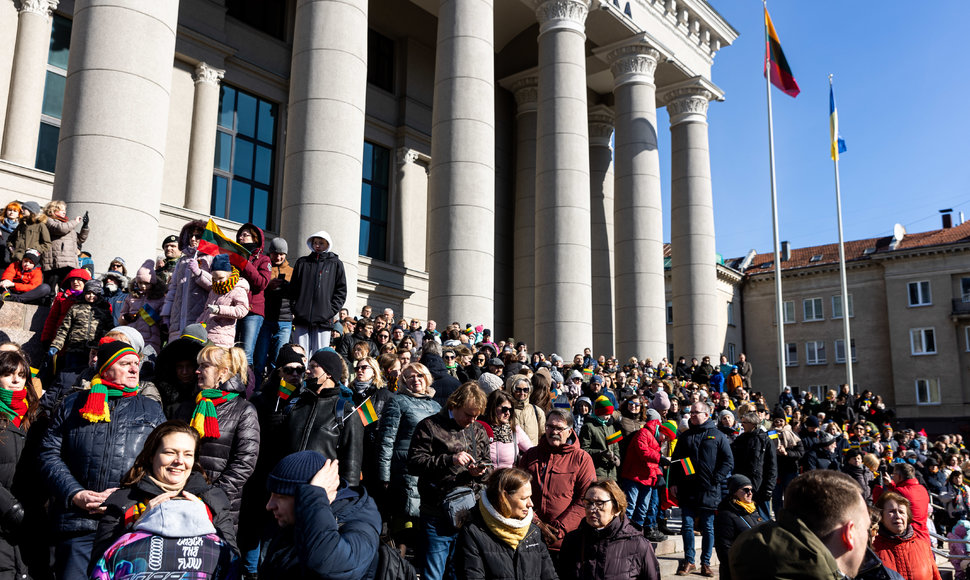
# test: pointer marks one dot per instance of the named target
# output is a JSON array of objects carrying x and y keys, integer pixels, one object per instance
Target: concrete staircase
[{"x": 23, "y": 323}]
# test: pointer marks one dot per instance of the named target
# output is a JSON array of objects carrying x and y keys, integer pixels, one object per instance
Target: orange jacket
[{"x": 23, "y": 281}]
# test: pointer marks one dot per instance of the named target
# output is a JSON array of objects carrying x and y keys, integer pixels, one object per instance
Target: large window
[
  {"x": 373, "y": 202},
  {"x": 919, "y": 293},
  {"x": 380, "y": 61},
  {"x": 922, "y": 341},
  {"x": 50, "y": 119},
  {"x": 670, "y": 312},
  {"x": 791, "y": 354},
  {"x": 731, "y": 351},
  {"x": 812, "y": 309},
  {"x": 928, "y": 391},
  {"x": 815, "y": 352},
  {"x": 840, "y": 350},
  {"x": 730, "y": 314},
  {"x": 789, "y": 311},
  {"x": 837, "y": 306},
  {"x": 245, "y": 164}
]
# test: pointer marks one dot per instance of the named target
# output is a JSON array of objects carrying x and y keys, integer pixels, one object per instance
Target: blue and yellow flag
[
  {"x": 837, "y": 144},
  {"x": 149, "y": 315}
]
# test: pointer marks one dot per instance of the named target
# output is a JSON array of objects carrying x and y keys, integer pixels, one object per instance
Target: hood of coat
[
  {"x": 260, "y": 238},
  {"x": 186, "y": 232},
  {"x": 320, "y": 234},
  {"x": 177, "y": 518},
  {"x": 436, "y": 365}
]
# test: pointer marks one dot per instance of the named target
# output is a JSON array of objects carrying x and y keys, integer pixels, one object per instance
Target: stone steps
[
  {"x": 23, "y": 323},
  {"x": 670, "y": 552}
]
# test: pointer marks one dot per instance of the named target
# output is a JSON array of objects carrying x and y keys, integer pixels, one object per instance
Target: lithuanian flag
[
  {"x": 776, "y": 65},
  {"x": 614, "y": 438},
  {"x": 367, "y": 413},
  {"x": 214, "y": 242},
  {"x": 688, "y": 466}
]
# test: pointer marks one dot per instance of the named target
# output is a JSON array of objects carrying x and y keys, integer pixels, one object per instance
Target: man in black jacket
[
  {"x": 317, "y": 293},
  {"x": 363, "y": 330},
  {"x": 755, "y": 458}
]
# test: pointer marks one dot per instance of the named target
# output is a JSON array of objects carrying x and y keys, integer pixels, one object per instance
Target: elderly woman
[
  {"x": 93, "y": 440},
  {"x": 736, "y": 514},
  {"x": 898, "y": 546},
  {"x": 606, "y": 546},
  {"x": 501, "y": 542},
  {"x": 165, "y": 469},
  {"x": 728, "y": 424},
  {"x": 531, "y": 418},
  {"x": 508, "y": 438}
]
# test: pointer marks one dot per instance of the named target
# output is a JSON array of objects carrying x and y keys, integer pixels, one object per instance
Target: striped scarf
[
  {"x": 226, "y": 285},
  {"x": 13, "y": 405},
  {"x": 285, "y": 390},
  {"x": 205, "y": 420},
  {"x": 95, "y": 408}
]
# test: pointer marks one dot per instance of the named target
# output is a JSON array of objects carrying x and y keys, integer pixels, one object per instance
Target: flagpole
[
  {"x": 842, "y": 278},
  {"x": 779, "y": 305}
]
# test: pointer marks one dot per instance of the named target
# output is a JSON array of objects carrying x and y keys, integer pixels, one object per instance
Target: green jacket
[
  {"x": 82, "y": 324},
  {"x": 782, "y": 550},
  {"x": 592, "y": 440}
]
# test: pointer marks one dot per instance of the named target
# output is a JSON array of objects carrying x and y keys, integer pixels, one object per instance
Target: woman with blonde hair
[
  {"x": 225, "y": 420},
  {"x": 368, "y": 391},
  {"x": 61, "y": 256}
]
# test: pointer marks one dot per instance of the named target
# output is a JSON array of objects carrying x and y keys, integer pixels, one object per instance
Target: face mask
[{"x": 110, "y": 287}]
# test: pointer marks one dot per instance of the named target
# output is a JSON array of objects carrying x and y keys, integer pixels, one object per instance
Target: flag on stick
[
  {"x": 688, "y": 466},
  {"x": 367, "y": 413},
  {"x": 214, "y": 242},
  {"x": 776, "y": 65},
  {"x": 837, "y": 144}
]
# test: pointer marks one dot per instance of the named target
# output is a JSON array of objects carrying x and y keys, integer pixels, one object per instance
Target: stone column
[
  {"x": 111, "y": 153},
  {"x": 322, "y": 168},
  {"x": 202, "y": 141},
  {"x": 461, "y": 205},
  {"x": 27, "y": 78},
  {"x": 693, "y": 257},
  {"x": 563, "y": 288},
  {"x": 412, "y": 210},
  {"x": 638, "y": 216},
  {"x": 601, "y": 224},
  {"x": 524, "y": 237}
]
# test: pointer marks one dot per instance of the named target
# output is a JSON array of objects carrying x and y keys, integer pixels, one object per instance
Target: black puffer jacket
[
  {"x": 710, "y": 454},
  {"x": 617, "y": 552},
  {"x": 12, "y": 506},
  {"x": 729, "y": 523},
  {"x": 313, "y": 422},
  {"x": 318, "y": 289},
  {"x": 482, "y": 556},
  {"x": 113, "y": 525},
  {"x": 230, "y": 460},
  {"x": 372, "y": 432},
  {"x": 346, "y": 344},
  {"x": 77, "y": 454},
  {"x": 755, "y": 457}
]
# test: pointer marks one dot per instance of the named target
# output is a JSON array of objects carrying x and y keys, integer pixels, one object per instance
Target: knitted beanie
[
  {"x": 286, "y": 356},
  {"x": 293, "y": 470},
  {"x": 331, "y": 363},
  {"x": 660, "y": 402},
  {"x": 111, "y": 351},
  {"x": 603, "y": 407},
  {"x": 220, "y": 263},
  {"x": 736, "y": 482},
  {"x": 668, "y": 429}
]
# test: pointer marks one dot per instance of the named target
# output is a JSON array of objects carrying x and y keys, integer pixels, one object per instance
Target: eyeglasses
[
  {"x": 698, "y": 413},
  {"x": 449, "y": 357},
  {"x": 576, "y": 380},
  {"x": 292, "y": 370},
  {"x": 504, "y": 410},
  {"x": 596, "y": 504},
  {"x": 556, "y": 428}
]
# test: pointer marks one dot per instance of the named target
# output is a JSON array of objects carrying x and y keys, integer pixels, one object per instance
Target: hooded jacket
[
  {"x": 233, "y": 305},
  {"x": 187, "y": 292},
  {"x": 617, "y": 552},
  {"x": 710, "y": 454},
  {"x": 919, "y": 501},
  {"x": 755, "y": 457},
  {"x": 319, "y": 285},
  {"x": 906, "y": 554},
  {"x": 258, "y": 272},
  {"x": 62, "y": 303},
  {"x": 782, "y": 549},
  {"x": 23, "y": 281},
  {"x": 83, "y": 323},
  {"x": 642, "y": 460}
]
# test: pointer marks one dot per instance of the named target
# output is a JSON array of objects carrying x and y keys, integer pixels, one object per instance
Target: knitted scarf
[
  {"x": 285, "y": 390},
  {"x": 8, "y": 225},
  {"x": 502, "y": 433},
  {"x": 58, "y": 218},
  {"x": 226, "y": 285},
  {"x": 747, "y": 506},
  {"x": 204, "y": 419},
  {"x": 511, "y": 531},
  {"x": 95, "y": 408},
  {"x": 13, "y": 405}
]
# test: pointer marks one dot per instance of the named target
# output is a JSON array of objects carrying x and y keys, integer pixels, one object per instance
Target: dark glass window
[
  {"x": 267, "y": 16},
  {"x": 373, "y": 202},
  {"x": 380, "y": 61},
  {"x": 242, "y": 186},
  {"x": 53, "y": 106}
]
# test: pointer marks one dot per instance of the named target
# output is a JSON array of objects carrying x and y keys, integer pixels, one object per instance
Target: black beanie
[
  {"x": 736, "y": 482},
  {"x": 331, "y": 362},
  {"x": 294, "y": 470},
  {"x": 286, "y": 356}
]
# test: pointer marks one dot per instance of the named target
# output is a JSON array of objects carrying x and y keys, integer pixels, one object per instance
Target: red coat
[
  {"x": 559, "y": 480},
  {"x": 62, "y": 303},
  {"x": 23, "y": 281},
  {"x": 919, "y": 501},
  {"x": 909, "y": 556},
  {"x": 642, "y": 461}
]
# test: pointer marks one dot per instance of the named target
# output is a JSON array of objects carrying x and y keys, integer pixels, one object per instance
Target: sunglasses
[
  {"x": 520, "y": 390},
  {"x": 292, "y": 370},
  {"x": 504, "y": 410},
  {"x": 747, "y": 490},
  {"x": 449, "y": 357}
]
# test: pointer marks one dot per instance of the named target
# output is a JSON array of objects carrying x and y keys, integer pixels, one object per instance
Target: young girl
[
  {"x": 9, "y": 223},
  {"x": 23, "y": 281},
  {"x": 142, "y": 309},
  {"x": 227, "y": 302},
  {"x": 86, "y": 322},
  {"x": 72, "y": 287}
]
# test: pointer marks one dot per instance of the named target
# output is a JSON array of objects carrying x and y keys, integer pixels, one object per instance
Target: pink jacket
[
  {"x": 233, "y": 305},
  {"x": 505, "y": 454},
  {"x": 152, "y": 333}
]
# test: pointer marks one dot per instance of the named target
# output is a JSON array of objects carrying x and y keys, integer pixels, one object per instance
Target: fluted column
[
  {"x": 325, "y": 128},
  {"x": 601, "y": 225},
  {"x": 693, "y": 257},
  {"x": 524, "y": 237},
  {"x": 26, "y": 97},
  {"x": 563, "y": 289},
  {"x": 638, "y": 215},
  {"x": 461, "y": 208},
  {"x": 111, "y": 153},
  {"x": 202, "y": 140},
  {"x": 412, "y": 210}
]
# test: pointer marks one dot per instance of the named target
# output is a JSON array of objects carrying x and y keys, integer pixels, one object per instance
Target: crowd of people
[{"x": 230, "y": 418}]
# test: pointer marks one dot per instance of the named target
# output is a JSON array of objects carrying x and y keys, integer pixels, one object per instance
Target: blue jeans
[
  {"x": 778, "y": 495},
  {"x": 653, "y": 509},
  {"x": 247, "y": 330},
  {"x": 705, "y": 521},
  {"x": 72, "y": 555},
  {"x": 637, "y": 500},
  {"x": 273, "y": 335},
  {"x": 439, "y": 549}
]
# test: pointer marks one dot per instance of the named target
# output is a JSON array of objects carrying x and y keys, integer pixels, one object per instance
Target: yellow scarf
[
  {"x": 506, "y": 529},
  {"x": 748, "y": 506}
]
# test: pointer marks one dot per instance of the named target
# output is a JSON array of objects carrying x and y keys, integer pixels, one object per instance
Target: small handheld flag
[
  {"x": 772, "y": 434},
  {"x": 615, "y": 437},
  {"x": 688, "y": 466},
  {"x": 286, "y": 389},
  {"x": 214, "y": 242},
  {"x": 776, "y": 65},
  {"x": 367, "y": 413},
  {"x": 837, "y": 143}
]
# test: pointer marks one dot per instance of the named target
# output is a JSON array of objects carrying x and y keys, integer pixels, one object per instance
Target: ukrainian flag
[{"x": 837, "y": 144}]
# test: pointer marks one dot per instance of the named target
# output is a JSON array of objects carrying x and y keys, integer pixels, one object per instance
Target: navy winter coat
[{"x": 710, "y": 453}]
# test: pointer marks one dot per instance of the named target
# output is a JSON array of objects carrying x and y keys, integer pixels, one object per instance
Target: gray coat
[
  {"x": 186, "y": 296},
  {"x": 401, "y": 415},
  {"x": 65, "y": 242}
]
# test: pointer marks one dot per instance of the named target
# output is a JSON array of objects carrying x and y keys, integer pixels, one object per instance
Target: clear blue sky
[{"x": 901, "y": 84}]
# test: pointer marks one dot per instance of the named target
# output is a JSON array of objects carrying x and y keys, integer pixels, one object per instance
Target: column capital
[
  {"x": 688, "y": 105},
  {"x": 562, "y": 15},
  {"x": 633, "y": 63},
  {"x": 600, "y": 126},
  {"x": 409, "y": 156},
  {"x": 40, "y": 7},
  {"x": 207, "y": 74},
  {"x": 526, "y": 91}
]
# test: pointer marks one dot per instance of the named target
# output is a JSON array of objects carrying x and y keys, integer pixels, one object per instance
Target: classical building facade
[{"x": 459, "y": 152}]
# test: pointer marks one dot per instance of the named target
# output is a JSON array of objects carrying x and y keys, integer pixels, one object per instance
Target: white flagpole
[
  {"x": 842, "y": 279},
  {"x": 779, "y": 305}
]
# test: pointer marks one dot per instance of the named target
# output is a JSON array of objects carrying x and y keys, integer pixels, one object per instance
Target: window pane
[
  {"x": 365, "y": 200},
  {"x": 60, "y": 42},
  {"x": 239, "y": 201},
  {"x": 377, "y": 242},
  {"x": 368, "y": 169},
  {"x": 267, "y": 122},
  {"x": 227, "y": 102},
  {"x": 246, "y": 115},
  {"x": 930, "y": 340},
  {"x": 47, "y": 147},
  {"x": 219, "y": 184},
  {"x": 381, "y": 156},
  {"x": 364, "y": 238},
  {"x": 264, "y": 164},
  {"x": 242, "y": 159},
  {"x": 260, "y": 207},
  {"x": 223, "y": 150},
  {"x": 380, "y": 205},
  {"x": 54, "y": 95}
]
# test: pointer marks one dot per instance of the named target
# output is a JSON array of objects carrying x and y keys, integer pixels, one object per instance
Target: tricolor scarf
[
  {"x": 205, "y": 420},
  {"x": 59, "y": 218},
  {"x": 285, "y": 390},
  {"x": 95, "y": 408},
  {"x": 13, "y": 405},
  {"x": 226, "y": 285}
]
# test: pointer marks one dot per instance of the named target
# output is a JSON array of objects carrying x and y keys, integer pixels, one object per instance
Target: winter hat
[
  {"x": 277, "y": 246},
  {"x": 556, "y": 376},
  {"x": 825, "y": 439},
  {"x": 120, "y": 260},
  {"x": 170, "y": 239},
  {"x": 32, "y": 206},
  {"x": 111, "y": 351},
  {"x": 660, "y": 402},
  {"x": 736, "y": 482},
  {"x": 294, "y": 470},
  {"x": 135, "y": 339},
  {"x": 489, "y": 382},
  {"x": 668, "y": 429},
  {"x": 220, "y": 263},
  {"x": 146, "y": 272},
  {"x": 555, "y": 358},
  {"x": 603, "y": 407},
  {"x": 514, "y": 368},
  {"x": 584, "y": 400},
  {"x": 778, "y": 414},
  {"x": 331, "y": 363},
  {"x": 286, "y": 356},
  {"x": 76, "y": 273},
  {"x": 596, "y": 380},
  {"x": 94, "y": 286},
  {"x": 196, "y": 332},
  {"x": 653, "y": 415},
  {"x": 812, "y": 421},
  {"x": 32, "y": 255},
  {"x": 575, "y": 375},
  {"x": 496, "y": 362}
]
